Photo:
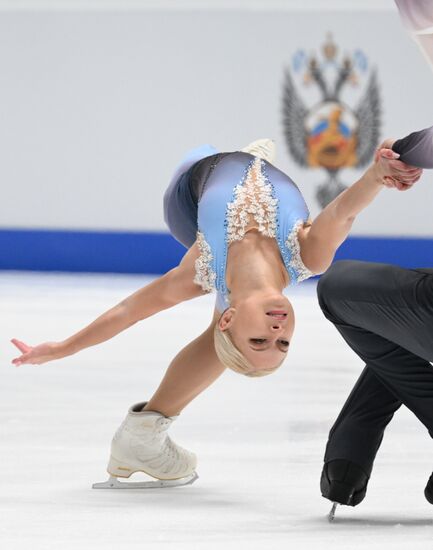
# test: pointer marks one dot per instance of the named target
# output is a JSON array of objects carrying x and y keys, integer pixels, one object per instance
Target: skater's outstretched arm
[
  {"x": 172, "y": 288},
  {"x": 329, "y": 230},
  {"x": 192, "y": 370}
]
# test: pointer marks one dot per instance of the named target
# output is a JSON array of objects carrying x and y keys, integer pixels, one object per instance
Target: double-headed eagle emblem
[{"x": 330, "y": 134}]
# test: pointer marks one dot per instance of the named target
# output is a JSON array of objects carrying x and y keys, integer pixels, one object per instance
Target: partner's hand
[
  {"x": 38, "y": 354},
  {"x": 392, "y": 172}
]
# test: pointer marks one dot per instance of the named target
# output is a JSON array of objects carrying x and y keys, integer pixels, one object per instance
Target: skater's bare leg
[
  {"x": 141, "y": 443},
  {"x": 193, "y": 369}
]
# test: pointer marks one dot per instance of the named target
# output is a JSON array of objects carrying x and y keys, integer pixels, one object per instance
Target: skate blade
[
  {"x": 331, "y": 515},
  {"x": 114, "y": 483}
]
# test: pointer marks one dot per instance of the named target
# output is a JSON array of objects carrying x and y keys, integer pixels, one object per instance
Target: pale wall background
[{"x": 100, "y": 100}]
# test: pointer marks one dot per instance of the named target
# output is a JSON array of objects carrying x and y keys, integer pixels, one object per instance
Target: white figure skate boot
[
  {"x": 263, "y": 148},
  {"x": 141, "y": 444}
]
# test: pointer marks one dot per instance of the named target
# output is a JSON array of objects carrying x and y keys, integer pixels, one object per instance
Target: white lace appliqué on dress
[
  {"x": 296, "y": 262},
  {"x": 252, "y": 197},
  {"x": 204, "y": 274},
  {"x": 253, "y": 204}
]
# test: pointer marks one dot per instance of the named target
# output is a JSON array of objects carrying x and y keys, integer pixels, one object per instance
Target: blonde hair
[{"x": 232, "y": 358}]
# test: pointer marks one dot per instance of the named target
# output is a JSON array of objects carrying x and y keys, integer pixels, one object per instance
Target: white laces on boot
[{"x": 168, "y": 447}]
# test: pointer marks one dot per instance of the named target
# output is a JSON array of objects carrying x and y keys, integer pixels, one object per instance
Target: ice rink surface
[{"x": 259, "y": 442}]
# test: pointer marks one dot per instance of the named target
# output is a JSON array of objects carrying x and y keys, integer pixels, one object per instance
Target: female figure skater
[{"x": 249, "y": 235}]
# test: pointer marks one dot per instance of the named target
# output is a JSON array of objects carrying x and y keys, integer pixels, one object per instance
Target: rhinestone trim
[
  {"x": 295, "y": 262},
  {"x": 204, "y": 274}
]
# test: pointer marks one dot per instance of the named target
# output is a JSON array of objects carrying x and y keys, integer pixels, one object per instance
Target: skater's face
[{"x": 261, "y": 328}]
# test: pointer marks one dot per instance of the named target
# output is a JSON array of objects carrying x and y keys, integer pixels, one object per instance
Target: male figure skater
[{"x": 385, "y": 314}]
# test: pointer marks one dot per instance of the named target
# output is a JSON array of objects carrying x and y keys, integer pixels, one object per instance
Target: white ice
[{"x": 260, "y": 442}]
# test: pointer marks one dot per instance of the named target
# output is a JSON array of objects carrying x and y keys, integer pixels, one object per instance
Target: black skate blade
[{"x": 331, "y": 515}]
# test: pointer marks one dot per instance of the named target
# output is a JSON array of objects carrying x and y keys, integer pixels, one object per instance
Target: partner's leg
[
  {"x": 355, "y": 439},
  {"x": 193, "y": 369},
  {"x": 389, "y": 301},
  {"x": 407, "y": 376},
  {"x": 383, "y": 312},
  {"x": 358, "y": 431},
  {"x": 397, "y": 304}
]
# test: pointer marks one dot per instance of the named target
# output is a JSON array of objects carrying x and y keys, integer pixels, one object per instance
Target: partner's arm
[
  {"x": 168, "y": 290},
  {"x": 329, "y": 230}
]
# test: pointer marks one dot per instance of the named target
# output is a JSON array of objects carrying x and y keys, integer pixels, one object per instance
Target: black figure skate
[{"x": 344, "y": 482}]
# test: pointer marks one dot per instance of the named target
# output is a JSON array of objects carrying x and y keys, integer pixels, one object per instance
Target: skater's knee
[
  {"x": 329, "y": 285},
  {"x": 341, "y": 277},
  {"x": 338, "y": 283}
]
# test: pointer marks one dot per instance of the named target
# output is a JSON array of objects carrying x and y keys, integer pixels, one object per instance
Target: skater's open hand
[
  {"x": 392, "y": 172},
  {"x": 36, "y": 355}
]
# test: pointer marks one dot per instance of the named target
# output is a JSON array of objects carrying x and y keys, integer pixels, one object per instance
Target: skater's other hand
[
  {"x": 36, "y": 355},
  {"x": 392, "y": 172}
]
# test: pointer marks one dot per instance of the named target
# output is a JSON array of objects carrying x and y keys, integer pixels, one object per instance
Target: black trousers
[{"x": 385, "y": 314}]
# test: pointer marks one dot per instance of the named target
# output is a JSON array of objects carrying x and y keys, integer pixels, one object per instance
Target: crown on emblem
[{"x": 329, "y": 48}]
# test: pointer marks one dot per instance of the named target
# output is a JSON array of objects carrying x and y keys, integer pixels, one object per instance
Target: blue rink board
[{"x": 153, "y": 252}]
